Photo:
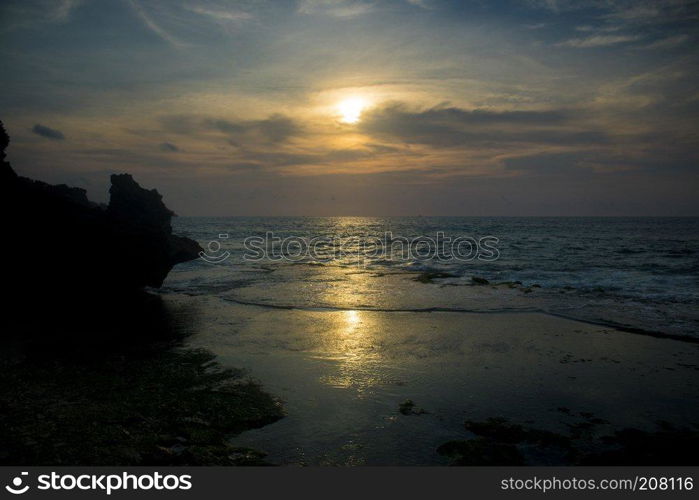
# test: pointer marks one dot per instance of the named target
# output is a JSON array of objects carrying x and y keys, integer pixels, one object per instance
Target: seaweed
[
  {"x": 499, "y": 442},
  {"x": 429, "y": 276},
  {"x": 172, "y": 407}
]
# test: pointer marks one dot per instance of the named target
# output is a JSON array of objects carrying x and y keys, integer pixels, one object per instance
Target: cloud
[
  {"x": 320, "y": 158},
  {"x": 243, "y": 166},
  {"x": 668, "y": 43},
  {"x": 607, "y": 23},
  {"x": 220, "y": 14},
  {"x": 419, "y": 3},
  {"x": 335, "y": 8},
  {"x": 48, "y": 132},
  {"x": 626, "y": 12},
  {"x": 599, "y": 41},
  {"x": 451, "y": 127},
  {"x": 168, "y": 147},
  {"x": 277, "y": 158},
  {"x": 349, "y": 8},
  {"x": 398, "y": 115},
  {"x": 64, "y": 8},
  {"x": 549, "y": 164},
  {"x": 586, "y": 28},
  {"x": 180, "y": 124},
  {"x": 23, "y": 14},
  {"x": 276, "y": 129},
  {"x": 152, "y": 25}
]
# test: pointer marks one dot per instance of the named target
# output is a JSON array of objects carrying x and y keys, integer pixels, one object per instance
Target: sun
[{"x": 351, "y": 109}]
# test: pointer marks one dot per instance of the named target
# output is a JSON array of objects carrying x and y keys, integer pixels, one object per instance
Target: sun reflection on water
[
  {"x": 352, "y": 318},
  {"x": 353, "y": 345}
]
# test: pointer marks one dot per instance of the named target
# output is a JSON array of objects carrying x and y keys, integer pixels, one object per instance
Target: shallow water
[
  {"x": 343, "y": 343},
  {"x": 343, "y": 374}
]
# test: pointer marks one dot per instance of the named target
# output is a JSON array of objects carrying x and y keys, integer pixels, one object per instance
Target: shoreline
[
  {"x": 609, "y": 324},
  {"x": 288, "y": 286},
  {"x": 344, "y": 374}
]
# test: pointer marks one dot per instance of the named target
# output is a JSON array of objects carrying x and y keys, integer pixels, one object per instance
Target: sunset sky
[{"x": 339, "y": 107}]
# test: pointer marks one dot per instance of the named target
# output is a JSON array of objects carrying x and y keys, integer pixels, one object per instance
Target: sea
[{"x": 636, "y": 272}]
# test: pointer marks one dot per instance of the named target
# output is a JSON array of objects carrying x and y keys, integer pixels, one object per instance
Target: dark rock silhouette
[{"x": 57, "y": 241}]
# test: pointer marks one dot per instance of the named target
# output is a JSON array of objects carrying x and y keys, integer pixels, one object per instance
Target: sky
[{"x": 360, "y": 107}]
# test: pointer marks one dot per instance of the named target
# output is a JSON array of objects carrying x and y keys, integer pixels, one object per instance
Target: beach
[
  {"x": 390, "y": 380},
  {"x": 362, "y": 359}
]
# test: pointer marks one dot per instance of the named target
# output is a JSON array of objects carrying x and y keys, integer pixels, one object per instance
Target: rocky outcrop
[{"x": 57, "y": 241}]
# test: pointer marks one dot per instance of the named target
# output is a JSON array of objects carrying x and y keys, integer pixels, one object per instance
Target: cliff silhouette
[{"x": 59, "y": 242}]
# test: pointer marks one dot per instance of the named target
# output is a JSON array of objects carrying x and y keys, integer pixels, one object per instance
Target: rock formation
[{"x": 57, "y": 241}]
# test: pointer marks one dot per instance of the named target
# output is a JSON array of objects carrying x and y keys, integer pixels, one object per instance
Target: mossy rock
[
  {"x": 173, "y": 407},
  {"x": 499, "y": 429},
  {"x": 500, "y": 442},
  {"x": 428, "y": 277},
  {"x": 408, "y": 407}
]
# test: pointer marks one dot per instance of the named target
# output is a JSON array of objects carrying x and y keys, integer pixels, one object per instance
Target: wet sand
[{"x": 344, "y": 373}]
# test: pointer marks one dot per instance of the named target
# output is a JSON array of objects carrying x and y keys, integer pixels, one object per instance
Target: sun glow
[{"x": 351, "y": 109}]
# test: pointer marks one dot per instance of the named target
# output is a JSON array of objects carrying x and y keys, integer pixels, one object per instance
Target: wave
[{"x": 524, "y": 310}]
